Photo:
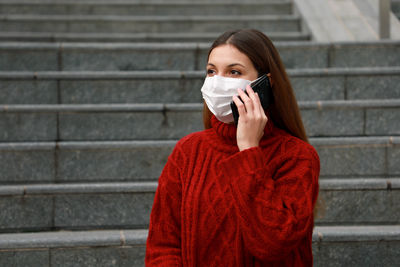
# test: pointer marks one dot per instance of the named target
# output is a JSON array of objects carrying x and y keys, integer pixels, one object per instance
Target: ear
[{"x": 270, "y": 79}]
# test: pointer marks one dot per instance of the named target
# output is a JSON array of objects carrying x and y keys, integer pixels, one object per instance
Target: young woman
[{"x": 238, "y": 195}]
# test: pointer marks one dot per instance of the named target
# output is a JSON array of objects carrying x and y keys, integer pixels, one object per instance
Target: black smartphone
[{"x": 262, "y": 86}]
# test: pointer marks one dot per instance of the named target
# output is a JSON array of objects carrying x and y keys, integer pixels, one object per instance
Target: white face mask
[{"x": 218, "y": 91}]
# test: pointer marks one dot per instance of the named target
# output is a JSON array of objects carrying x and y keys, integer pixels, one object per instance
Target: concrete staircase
[{"x": 94, "y": 96}]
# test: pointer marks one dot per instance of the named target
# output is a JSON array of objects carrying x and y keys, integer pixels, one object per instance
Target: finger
[
  {"x": 258, "y": 111},
  {"x": 248, "y": 102},
  {"x": 257, "y": 108},
  {"x": 240, "y": 106},
  {"x": 261, "y": 109}
]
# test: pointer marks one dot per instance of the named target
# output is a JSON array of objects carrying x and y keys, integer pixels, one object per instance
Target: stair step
[
  {"x": 76, "y": 206},
  {"x": 40, "y": 162},
  {"x": 332, "y": 246},
  {"x": 102, "y": 161},
  {"x": 185, "y": 56},
  {"x": 128, "y": 205},
  {"x": 358, "y": 201},
  {"x": 145, "y": 8},
  {"x": 173, "y": 121},
  {"x": 78, "y": 248},
  {"x": 68, "y": 239},
  {"x": 86, "y": 87},
  {"x": 356, "y": 245},
  {"x": 135, "y": 37},
  {"x": 77, "y": 174},
  {"x": 137, "y": 24}
]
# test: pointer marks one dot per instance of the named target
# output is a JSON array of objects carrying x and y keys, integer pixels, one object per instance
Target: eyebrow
[{"x": 230, "y": 65}]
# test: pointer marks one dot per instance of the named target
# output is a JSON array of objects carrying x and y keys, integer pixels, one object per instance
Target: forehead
[{"x": 227, "y": 54}]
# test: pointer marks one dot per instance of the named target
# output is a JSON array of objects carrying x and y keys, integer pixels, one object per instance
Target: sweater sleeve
[
  {"x": 273, "y": 200},
  {"x": 163, "y": 246}
]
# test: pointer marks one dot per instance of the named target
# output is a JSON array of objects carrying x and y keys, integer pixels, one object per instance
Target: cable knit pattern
[{"x": 218, "y": 206}]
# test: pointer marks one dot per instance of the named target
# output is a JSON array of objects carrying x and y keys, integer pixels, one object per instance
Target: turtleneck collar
[{"x": 227, "y": 132}]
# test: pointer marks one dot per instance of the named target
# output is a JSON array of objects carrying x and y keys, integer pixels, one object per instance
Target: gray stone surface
[
  {"x": 17, "y": 23},
  {"x": 356, "y": 233},
  {"x": 75, "y": 59},
  {"x": 128, "y": 205},
  {"x": 298, "y": 56},
  {"x": 351, "y": 207},
  {"x": 135, "y": 160},
  {"x": 16, "y": 211},
  {"x": 357, "y": 141},
  {"x": 98, "y": 257},
  {"x": 357, "y": 254},
  {"x": 26, "y": 163},
  {"x": 356, "y": 245},
  {"x": 129, "y": 126},
  {"x": 381, "y": 250},
  {"x": 103, "y": 210},
  {"x": 394, "y": 159},
  {"x": 139, "y": 160},
  {"x": 11, "y": 190},
  {"x": 349, "y": 184},
  {"x": 182, "y": 56},
  {"x": 72, "y": 239},
  {"x": 293, "y": 55},
  {"x": 185, "y": 122},
  {"x": 28, "y": 92},
  {"x": 140, "y": 24},
  {"x": 309, "y": 88},
  {"x": 146, "y": 8},
  {"x": 333, "y": 246},
  {"x": 178, "y": 57},
  {"x": 24, "y": 60},
  {"x": 333, "y": 122},
  {"x": 373, "y": 87},
  {"x": 395, "y": 184},
  {"x": 207, "y": 37},
  {"x": 146, "y": 90},
  {"x": 80, "y": 188},
  {"x": 173, "y": 121},
  {"x": 184, "y": 87},
  {"x": 136, "y": 37},
  {"x": 28, "y": 126},
  {"x": 352, "y": 160},
  {"x": 383, "y": 121},
  {"x": 365, "y": 55},
  {"x": 25, "y": 258},
  {"x": 125, "y": 161},
  {"x": 111, "y": 126}
]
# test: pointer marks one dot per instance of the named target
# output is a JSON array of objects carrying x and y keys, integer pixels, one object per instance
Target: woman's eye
[
  {"x": 210, "y": 72},
  {"x": 235, "y": 72}
]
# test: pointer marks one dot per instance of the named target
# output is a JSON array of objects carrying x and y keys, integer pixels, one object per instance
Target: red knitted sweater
[{"x": 218, "y": 206}]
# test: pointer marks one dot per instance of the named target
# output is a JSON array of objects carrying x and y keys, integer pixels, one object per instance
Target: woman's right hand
[{"x": 252, "y": 119}]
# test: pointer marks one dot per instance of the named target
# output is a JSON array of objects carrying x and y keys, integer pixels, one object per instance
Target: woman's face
[{"x": 226, "y": 60}]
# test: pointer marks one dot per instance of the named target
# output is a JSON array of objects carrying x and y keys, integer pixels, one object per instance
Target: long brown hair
[{"x": 284, "y": 111}]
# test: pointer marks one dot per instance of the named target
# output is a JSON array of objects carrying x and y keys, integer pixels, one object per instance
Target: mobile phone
[{"x": 262, "y": 86}]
